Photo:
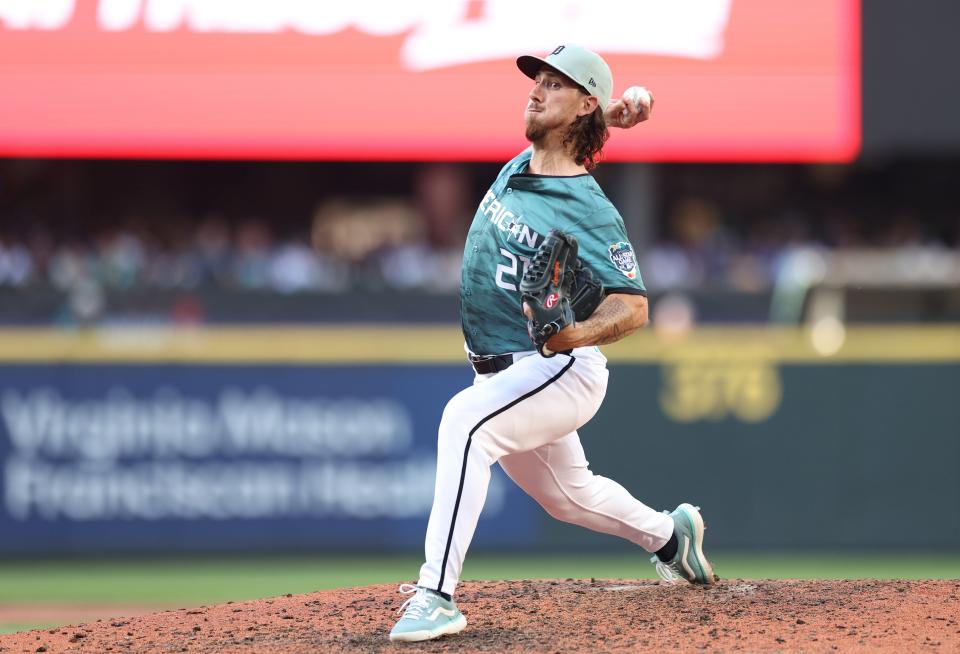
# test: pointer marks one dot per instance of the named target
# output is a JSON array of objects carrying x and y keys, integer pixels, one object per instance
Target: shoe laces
[{"x": 416, "y": 605}]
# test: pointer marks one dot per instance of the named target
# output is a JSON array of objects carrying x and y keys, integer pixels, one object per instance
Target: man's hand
[
  {"x": 618, "y": 316},
  {"x": 544, "y": 349},
  {"x": 626, "y": 113}
]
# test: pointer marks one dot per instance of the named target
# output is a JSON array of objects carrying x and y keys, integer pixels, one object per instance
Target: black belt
[{"x": 488, "y": 364}]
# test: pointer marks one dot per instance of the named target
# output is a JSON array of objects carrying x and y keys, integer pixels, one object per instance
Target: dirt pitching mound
[{"x": 553, "y": 616}]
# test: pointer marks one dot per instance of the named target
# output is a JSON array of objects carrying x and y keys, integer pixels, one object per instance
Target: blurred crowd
[
  {"x": 716, "y": 227},
  {"x": 382, "y": 246},
  {"x": 332, "y": 238},
  {"x": 738, "y": 227},
  {"x": 243, "y": 256}
]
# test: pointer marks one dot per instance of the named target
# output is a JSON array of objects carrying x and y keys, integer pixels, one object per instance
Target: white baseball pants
[{"x": 526, "y": 418}]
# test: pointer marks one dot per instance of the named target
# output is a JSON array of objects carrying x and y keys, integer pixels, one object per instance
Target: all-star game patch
[{"x": 622, "y": 256}]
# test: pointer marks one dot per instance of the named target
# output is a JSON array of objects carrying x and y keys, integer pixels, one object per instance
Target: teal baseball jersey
[{"x": 510, "y": 224}]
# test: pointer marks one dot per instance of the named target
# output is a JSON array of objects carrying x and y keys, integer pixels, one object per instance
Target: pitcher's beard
[{"x": 535, "y": 133}]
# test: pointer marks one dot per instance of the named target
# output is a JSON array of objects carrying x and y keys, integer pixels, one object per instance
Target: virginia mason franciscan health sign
[
  {"x": 151, "y": 457},
  {"x": 423, "y": 79}
]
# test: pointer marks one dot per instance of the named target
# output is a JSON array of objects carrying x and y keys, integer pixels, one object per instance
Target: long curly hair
[{"x": 586, "y": 137}]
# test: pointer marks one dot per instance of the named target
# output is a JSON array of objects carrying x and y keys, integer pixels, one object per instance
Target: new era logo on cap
[
  {"x": 592, "y": 83},
  {"x": 558, "y": 50}
]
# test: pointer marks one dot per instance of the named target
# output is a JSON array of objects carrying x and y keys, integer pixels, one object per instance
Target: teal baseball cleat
[
  {"x": 426, "y": 615},
  {"x": 689, "y": 562}
]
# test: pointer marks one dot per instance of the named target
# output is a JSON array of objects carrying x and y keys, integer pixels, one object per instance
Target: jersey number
[{"x": 509, "y": 269}]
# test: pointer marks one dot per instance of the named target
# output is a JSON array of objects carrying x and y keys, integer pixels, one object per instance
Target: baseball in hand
[{"x": 639, "y": 95}]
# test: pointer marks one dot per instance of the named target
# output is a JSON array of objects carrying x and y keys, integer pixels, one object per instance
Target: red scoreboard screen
[{"x": 734, "y": 80}]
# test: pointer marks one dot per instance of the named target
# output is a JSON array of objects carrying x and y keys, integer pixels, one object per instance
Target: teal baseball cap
[{"x": 585, "y": 67}]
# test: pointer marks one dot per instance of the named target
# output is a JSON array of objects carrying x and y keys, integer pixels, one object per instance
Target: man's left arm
[{"x": 618, "y": 316}]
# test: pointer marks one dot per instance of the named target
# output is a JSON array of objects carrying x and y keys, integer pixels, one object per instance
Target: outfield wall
[{"x": 256, "y": 439}]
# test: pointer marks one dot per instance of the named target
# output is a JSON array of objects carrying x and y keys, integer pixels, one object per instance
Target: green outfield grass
[{"x": 182, "y": 582}]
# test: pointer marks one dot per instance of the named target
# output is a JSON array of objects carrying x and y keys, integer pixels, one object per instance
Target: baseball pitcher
[{"x": 548, "y": 275}]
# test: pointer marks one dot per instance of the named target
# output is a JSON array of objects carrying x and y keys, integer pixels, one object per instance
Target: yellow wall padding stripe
[{"x": 361, "y": 344}]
